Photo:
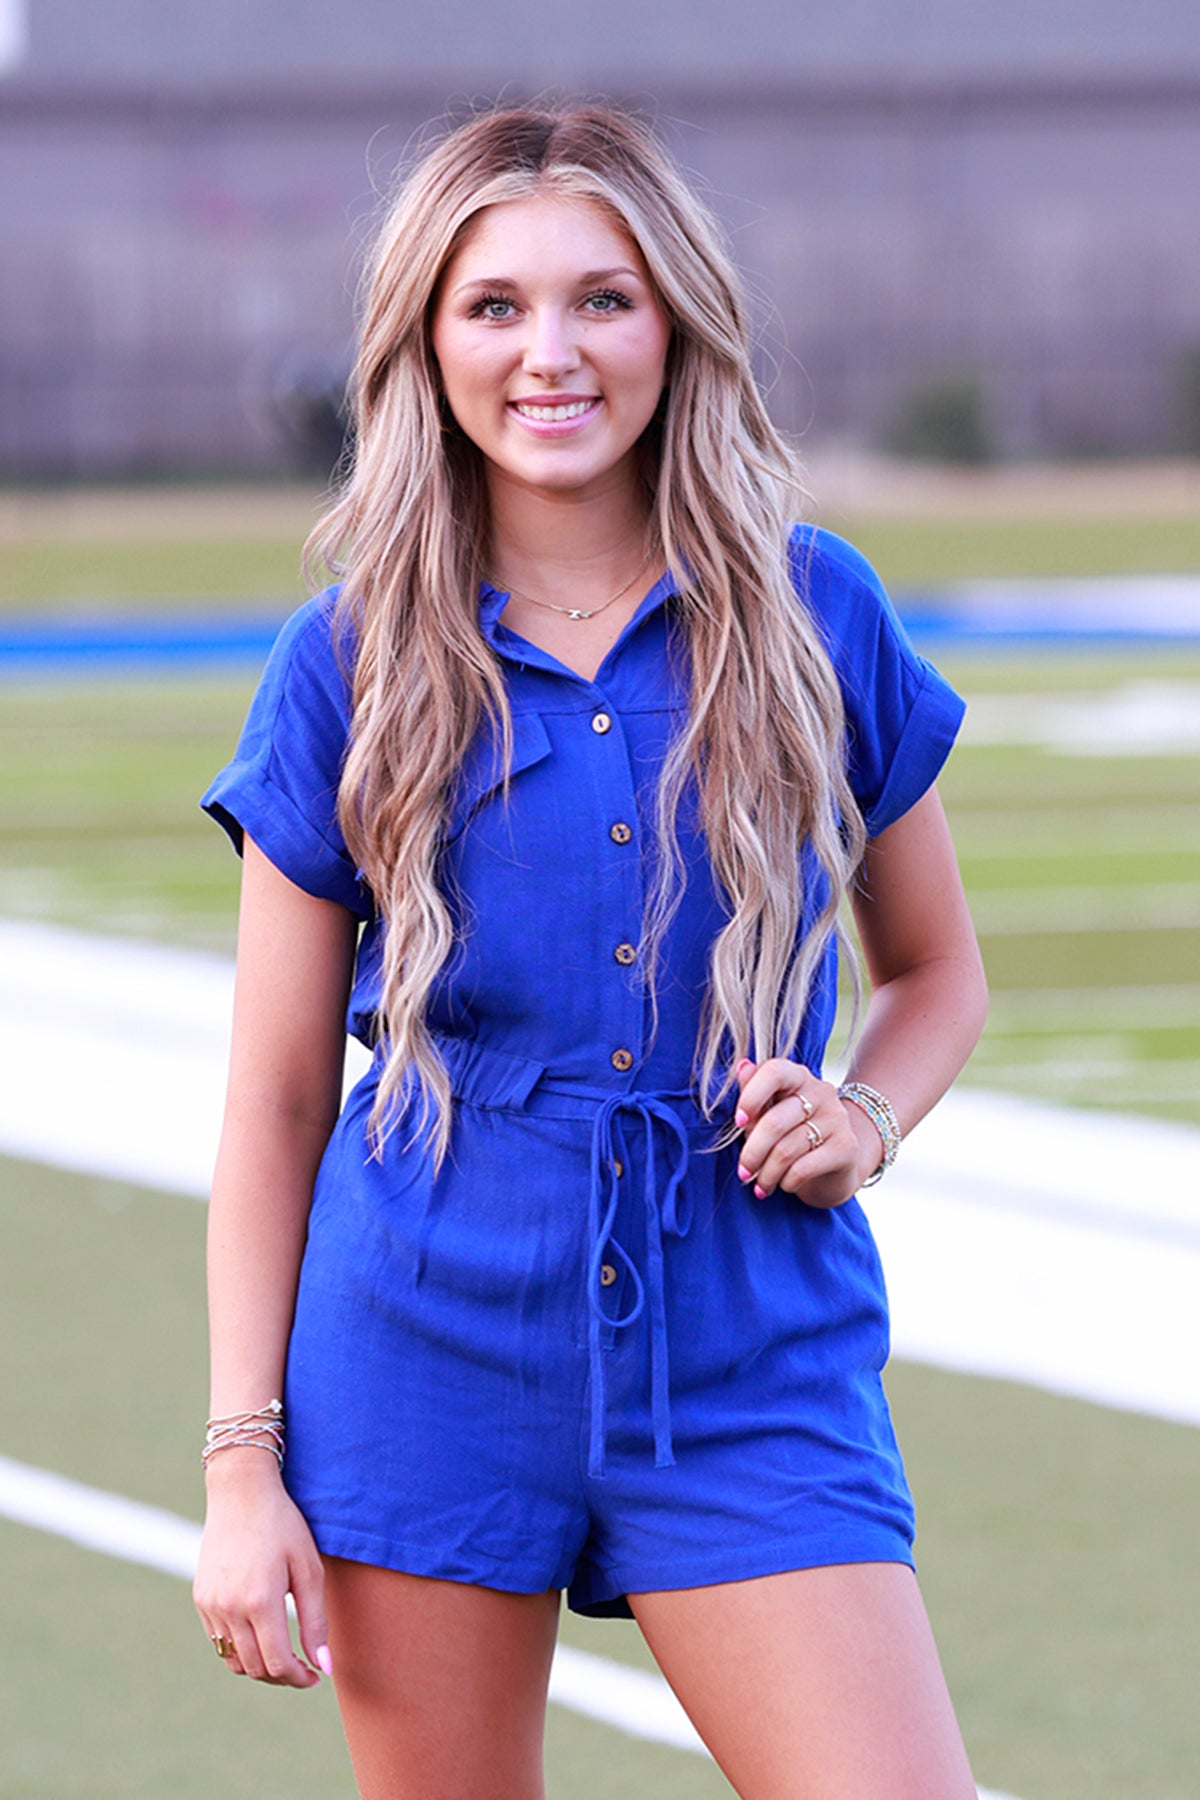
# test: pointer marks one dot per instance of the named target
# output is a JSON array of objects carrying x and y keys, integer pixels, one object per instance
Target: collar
[{"x": 512, "y": 646}]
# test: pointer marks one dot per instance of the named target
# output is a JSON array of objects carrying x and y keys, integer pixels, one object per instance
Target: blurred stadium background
[
  {"x": 973, "y": 231},
  {"x": 970, "y": 225}
]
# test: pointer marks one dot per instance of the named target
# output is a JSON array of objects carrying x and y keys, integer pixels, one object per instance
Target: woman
[{"x": 575, "y": 1292}]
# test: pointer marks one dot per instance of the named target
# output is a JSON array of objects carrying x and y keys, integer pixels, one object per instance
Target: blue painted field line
[
  {"x": 136, "y": 639},
  {"x": 1110, "y": 612}
]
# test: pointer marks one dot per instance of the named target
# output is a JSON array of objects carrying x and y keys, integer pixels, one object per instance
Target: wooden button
[
  {"x": 601, "y": 723},
  {"x": 620, "y": 833},
  {"x": 607, "y": 1274},
  {"x": 625, "y": 954},
  {"x": 618, "y": 1167},
  {"x": 622, "y": 1060}
]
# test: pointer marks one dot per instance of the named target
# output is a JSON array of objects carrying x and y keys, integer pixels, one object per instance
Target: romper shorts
[{"x": 530, "y": 1373}]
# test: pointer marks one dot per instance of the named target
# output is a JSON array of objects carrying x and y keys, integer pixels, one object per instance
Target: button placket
[{"x": 615, "y": 791}]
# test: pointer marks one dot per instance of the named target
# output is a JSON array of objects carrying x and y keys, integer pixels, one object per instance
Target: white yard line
[
  {"x": 1016, "y": 1236},
  {"x": 635, "y": 1701},
  {"x": 1146, "y": 718},
  {"x": 1142, "y": 1084}
]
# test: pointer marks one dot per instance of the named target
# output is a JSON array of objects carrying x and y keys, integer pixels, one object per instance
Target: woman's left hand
[{"x": 799, "y": 1136}]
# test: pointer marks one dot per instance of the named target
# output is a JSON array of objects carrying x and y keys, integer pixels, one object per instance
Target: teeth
[{"x": 574, "y": 410}]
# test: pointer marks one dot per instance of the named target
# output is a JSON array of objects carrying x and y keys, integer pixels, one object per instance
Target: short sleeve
[
  {"x": 282, "y": 784},
  {"x": 902, "y": 717}
]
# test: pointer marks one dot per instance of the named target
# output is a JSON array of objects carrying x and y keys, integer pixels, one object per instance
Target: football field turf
[{"x": 1055, "y": 1537}]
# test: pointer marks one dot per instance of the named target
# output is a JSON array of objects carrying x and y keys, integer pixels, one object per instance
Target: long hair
[{"x": 763, "y": 742}]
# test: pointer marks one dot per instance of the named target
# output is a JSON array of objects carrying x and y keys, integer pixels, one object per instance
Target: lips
[{"x": 554, "y": 412}]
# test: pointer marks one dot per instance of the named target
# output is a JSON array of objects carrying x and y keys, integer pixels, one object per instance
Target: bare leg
[
  {"x": 442, "y": 1686},
  {"x": 821, "y": 1684}
]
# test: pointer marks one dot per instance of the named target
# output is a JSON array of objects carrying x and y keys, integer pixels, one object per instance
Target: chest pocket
[{"x": 482, "y": 772}]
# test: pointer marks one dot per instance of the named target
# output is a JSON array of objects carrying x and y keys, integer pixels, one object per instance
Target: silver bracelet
[
  {"x": 882, "y": 1115},
  {"x": 259, "y": 1430}
]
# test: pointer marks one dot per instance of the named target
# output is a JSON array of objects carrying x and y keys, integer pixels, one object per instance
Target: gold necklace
[{"x": 578, "y": 612}]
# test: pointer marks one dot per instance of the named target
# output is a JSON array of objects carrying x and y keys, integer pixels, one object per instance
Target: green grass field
[
  {"x": 1083, "y": 871},
  {"x": 1056, "y": 1537}
]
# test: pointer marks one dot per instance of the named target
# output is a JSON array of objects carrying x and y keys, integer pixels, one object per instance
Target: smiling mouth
[{"x": 554, "y": 415}]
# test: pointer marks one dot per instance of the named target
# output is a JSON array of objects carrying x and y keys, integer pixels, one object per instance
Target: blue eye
[
  {"x": 491, "y": 306},
  {"x": 608, "y": 300}
]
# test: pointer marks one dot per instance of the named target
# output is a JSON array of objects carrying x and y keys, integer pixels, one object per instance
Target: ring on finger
[
  {"x": 814, "y": 1135},
  {"x": 223, "y": 1646},
  {"x": 807, "y": 1104}
]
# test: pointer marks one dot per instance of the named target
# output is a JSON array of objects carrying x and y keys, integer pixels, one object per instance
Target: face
[{"x": 552, "y": 344}]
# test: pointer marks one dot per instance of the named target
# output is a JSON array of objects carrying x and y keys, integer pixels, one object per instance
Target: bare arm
[
  {"x": 295, "y": 956},
  {"x": 285, "y": 1080},
  {"x": 927, "y": 1007}
]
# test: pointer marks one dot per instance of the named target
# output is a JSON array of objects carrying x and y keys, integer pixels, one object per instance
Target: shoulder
[
  {"x": 841, "y": 591},
  {"x": 313, "y": 655},
  {"x": 813, "y": 547},
  {"x": 317, "y": 632}
]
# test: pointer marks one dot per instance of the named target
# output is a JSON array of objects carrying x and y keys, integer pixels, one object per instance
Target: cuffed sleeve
[
  {"x": 282, "y": 784},
  {"x": 902, "y": 717}
]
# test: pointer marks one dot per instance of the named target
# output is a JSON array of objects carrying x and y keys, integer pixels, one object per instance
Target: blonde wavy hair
[{"x": 409, "y": 536}]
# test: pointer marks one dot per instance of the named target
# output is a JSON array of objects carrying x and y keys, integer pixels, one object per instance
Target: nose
[{"x": 550, "y": 348}]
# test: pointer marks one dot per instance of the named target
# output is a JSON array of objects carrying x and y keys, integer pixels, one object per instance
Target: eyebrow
[{"x": 588, "y": 279}]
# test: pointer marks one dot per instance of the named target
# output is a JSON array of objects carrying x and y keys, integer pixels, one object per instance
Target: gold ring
[
  {"x": 223, "y": 1647},
  {"x": 814, "y": 1136},
  {"x": 807, "y": 1104}
]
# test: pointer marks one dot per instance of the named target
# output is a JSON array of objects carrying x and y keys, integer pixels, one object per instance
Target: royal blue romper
[{"x": 582, "y": 1355}]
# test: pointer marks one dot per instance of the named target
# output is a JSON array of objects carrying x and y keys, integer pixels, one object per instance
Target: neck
[{"x": 546, "y": 543}]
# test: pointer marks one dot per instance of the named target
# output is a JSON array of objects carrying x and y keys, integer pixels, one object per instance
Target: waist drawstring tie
[{"x": 666, "y": 1214}]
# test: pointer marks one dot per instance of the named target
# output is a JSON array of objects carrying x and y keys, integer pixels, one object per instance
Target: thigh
[
  {"x": 441, "y": 1685},
  {"x": 819, "y": 1684}
]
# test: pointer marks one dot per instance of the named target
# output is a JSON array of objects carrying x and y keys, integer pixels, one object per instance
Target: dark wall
[{"x": 177, "y": 260}]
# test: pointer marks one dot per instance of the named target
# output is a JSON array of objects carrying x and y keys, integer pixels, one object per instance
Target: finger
[
  {"x": 246, "y": 1659},
  {"x": 279, "y": 1662},
  {"x": 742, "y": 1070},
  {"x": 798, "y": 1155},
  {"x": 308, "y": 1592},
  {"x": 222, "y": 1640},
  {"x": 780, "y": 1122},
  {"x": 771, "y": 1081},
  {"x": 254, "y": 1640}
]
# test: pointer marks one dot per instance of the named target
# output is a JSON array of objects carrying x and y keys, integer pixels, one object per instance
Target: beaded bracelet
[
  {"x": 882, "y": 1116},
  {"x": 259, "y": 1430}
]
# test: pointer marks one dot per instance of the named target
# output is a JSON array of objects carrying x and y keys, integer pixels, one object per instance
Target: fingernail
[
  {"x": 324, "y": 1660},
  {"x": 759, "y": 1193},
  {"x": 744, "y": 1064},
  {"x": 741, "y": 1118},
  {"x": 743, "y": 1174}
]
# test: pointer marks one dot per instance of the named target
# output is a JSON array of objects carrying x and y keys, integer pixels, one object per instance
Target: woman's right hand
[{"x": 257, "y": 1549}]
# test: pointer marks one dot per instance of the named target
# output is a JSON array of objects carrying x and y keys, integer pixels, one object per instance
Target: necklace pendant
[{"x": 574, "y": 614}]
